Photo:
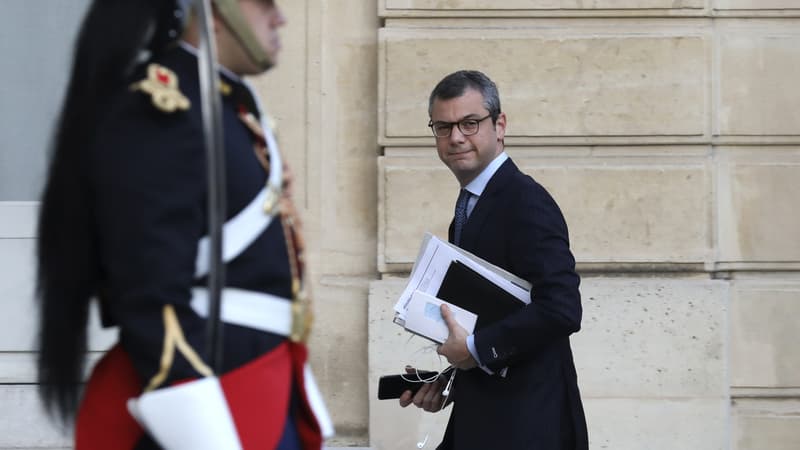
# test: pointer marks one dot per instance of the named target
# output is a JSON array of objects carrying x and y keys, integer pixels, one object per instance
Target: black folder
[{"x": 464, "y": 287}]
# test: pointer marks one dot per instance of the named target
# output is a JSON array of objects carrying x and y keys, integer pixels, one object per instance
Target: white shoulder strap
[{"x": 246, "y": 226}]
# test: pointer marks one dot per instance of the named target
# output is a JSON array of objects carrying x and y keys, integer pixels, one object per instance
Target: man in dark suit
[{"x": 516, "y": 385}]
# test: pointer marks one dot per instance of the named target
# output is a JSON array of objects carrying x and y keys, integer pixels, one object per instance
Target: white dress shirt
[{"x": 476, "y": 188}]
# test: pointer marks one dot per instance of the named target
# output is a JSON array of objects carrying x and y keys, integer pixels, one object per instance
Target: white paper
[
  {"x": 432, "y": 262},
  {"x": 424, "y": 317}
]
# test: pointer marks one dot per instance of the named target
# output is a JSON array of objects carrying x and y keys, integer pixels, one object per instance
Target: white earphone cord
[{"x": 446, "y": 394}]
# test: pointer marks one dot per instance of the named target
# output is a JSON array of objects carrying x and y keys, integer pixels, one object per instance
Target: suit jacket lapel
[{"x": 487, "y": 202}]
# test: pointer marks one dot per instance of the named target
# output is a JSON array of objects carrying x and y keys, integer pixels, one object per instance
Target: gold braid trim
[{"x": 173, "y": 337}]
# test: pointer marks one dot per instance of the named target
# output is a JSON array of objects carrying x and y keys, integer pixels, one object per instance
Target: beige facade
[{"x": 667, "y": 130}]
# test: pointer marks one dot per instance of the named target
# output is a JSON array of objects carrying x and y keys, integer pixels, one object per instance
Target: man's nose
[
  {"x": 278, "y": 19},
  {"x": 456, "y": 135}
]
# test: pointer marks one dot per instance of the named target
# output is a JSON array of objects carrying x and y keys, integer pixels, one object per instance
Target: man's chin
[
  {"x": 462, "y": 171},
  {"x": 462, "y": 163},
  {"x": 461, "y": 159}
]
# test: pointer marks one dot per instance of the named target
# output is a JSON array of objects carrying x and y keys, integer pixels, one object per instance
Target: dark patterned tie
[{"x": 461, "y": 215}]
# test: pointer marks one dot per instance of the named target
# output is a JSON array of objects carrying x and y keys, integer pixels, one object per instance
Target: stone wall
[
  {"x": 323, "y": 95},
  {"x": 668, "y": 132}
]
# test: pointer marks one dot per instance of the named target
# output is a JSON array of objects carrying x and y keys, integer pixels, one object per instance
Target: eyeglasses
[{"x": 468, "y": 127}]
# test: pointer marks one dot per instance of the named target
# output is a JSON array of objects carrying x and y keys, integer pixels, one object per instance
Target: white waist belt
[{"x": 251, "y": 309}]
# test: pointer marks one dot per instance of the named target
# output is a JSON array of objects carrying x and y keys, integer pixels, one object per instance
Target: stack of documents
[{"x": 478, "y": 292}]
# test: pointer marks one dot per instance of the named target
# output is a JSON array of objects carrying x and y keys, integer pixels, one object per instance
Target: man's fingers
[
  {"x": 431, "y": 401},
  {"x": 447, "y": 315},
  {"x": 450, "y": 320},
  {"x": 428, "y": 397},
  {"x": 419, "y": 397},
  {"x": 405, "y": 398}
]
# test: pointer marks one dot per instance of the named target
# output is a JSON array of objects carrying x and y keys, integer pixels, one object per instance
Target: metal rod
[{"x": 211, "y": 106}]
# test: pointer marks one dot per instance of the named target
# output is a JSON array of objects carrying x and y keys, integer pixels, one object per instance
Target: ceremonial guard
[{"x": 124, "y": 222}]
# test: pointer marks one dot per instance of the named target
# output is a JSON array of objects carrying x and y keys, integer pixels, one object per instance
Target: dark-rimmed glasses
[{"x": 468, "y": 127}]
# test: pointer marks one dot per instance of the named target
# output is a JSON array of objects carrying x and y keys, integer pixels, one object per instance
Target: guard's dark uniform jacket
[{"x": 147, "y": 171}]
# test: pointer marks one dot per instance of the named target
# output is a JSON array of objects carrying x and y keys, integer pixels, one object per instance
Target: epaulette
[{"x": 162, "y": 86}]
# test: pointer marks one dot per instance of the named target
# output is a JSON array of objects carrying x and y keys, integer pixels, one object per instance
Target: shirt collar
[{"x": 477, "y": 186}]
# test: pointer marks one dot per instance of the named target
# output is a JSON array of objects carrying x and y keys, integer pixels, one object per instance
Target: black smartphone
[{"x": 393, "y": 386}]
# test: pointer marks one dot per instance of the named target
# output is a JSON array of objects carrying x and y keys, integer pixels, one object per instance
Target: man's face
[
  {"x": 467, "y": 156},
  {"x": 264, "y": 18}
]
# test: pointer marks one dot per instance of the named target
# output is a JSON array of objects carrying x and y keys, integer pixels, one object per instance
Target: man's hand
[
  {"x": 455, "y": 347},
  {"x": 428, "y": 397}
]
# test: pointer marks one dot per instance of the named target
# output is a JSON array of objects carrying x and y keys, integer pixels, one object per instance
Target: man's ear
[{"x": 500, "y": 127}]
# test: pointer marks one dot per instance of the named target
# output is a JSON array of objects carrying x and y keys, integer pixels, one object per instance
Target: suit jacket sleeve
[{"x": 536, "y": 244}]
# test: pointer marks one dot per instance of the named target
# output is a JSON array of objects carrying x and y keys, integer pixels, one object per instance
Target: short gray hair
[{"x": 455, "y": 84}]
